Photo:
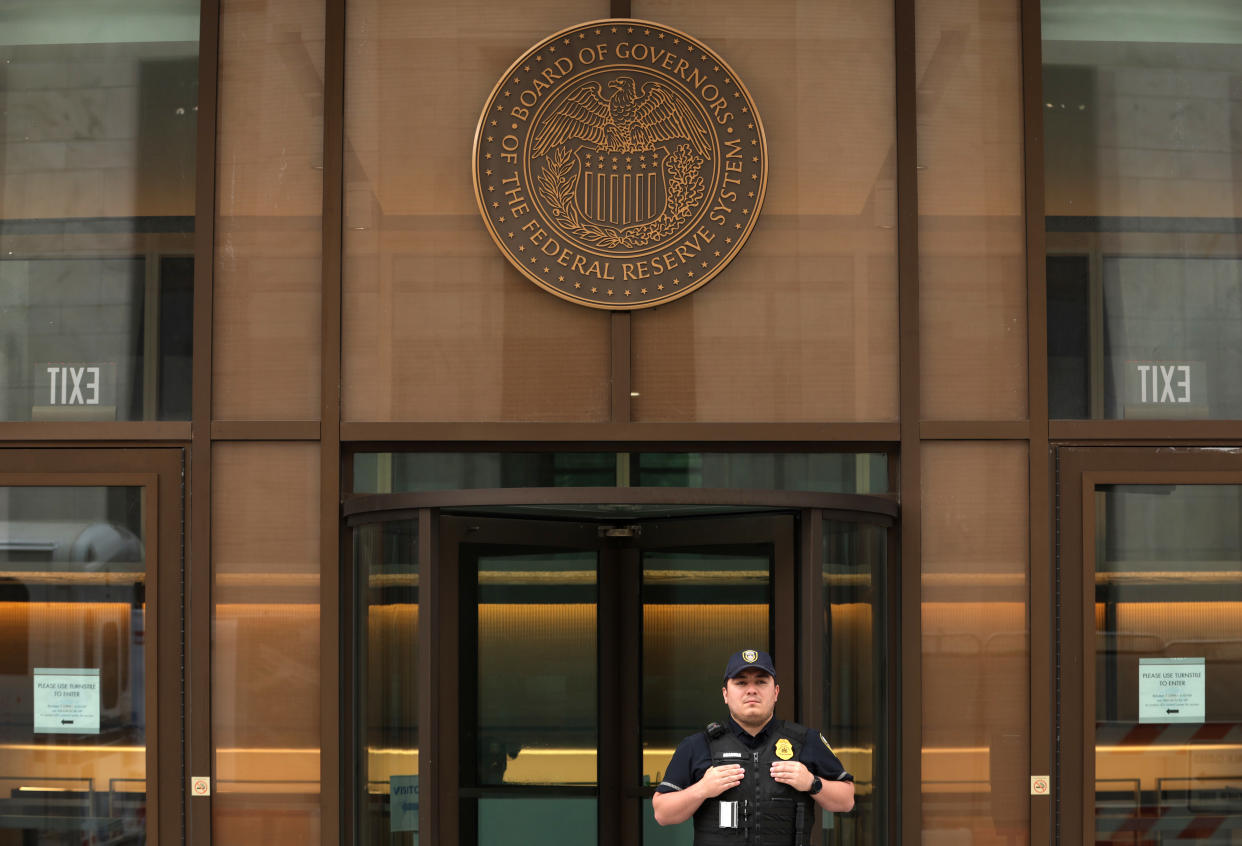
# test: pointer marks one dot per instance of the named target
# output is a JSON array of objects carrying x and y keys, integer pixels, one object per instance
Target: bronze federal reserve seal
[{"x": 620, "y": 164}]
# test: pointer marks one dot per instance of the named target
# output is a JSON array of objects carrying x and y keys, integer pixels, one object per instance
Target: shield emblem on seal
[
  {"x": 750, "y": 656},
  {"x": 784, "y": 749}
]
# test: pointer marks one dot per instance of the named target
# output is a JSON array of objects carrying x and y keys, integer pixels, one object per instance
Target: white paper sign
[
  {"x": 403, "y": 804},
  {"x": 66, "y": 701},
  {"x": 1172, "y": 690}
]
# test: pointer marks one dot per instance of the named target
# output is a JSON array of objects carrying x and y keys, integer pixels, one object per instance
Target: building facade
[{"x": 323, "y": 523}]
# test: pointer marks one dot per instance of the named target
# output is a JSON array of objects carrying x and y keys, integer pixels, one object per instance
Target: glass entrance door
[
  {"x": 708, "y": 588},
  {"x": 1151, "y": 581},
  {"x": 90, "y": 624},
  {"x": 588, "y": 650},
  {"x": 521, "y": 666}
]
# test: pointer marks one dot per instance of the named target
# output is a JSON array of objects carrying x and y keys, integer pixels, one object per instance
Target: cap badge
[
  {"x": 784, "y": 749},
  {"x": 750, "y": 656}
]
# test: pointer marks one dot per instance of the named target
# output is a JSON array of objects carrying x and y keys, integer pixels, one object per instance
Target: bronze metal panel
[
  {"x": 265, "y": 430},
  {"x": 811, "y": 623},
  {"x": 975, "y": 430},
  {"x": 198, "y": 559},
  {"x": 1041, "y": 610},
  {"x": 780, "y": 530},
  {"x": 906, "y": 813},
  {"x": 618, "y": 435},
  {"x": 331, "y": 783},
  {"x": 199, "y": 747},
  {"x": 359, "y": 504},
  {"x": 621, "y": 369},
  {"x": 172, "y": 648},
  {"x": 1150, "y": 431},
  {"x": 54, "y": 430},
  {"x": 163, "y": 806}
]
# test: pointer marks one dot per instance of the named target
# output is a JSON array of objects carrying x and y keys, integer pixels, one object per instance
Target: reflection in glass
[
  {"x": 655, "y": 834},
  {"x": 531, "y": 822},
  {"x": 72, "y": 667},
  {"x": 1168, "y": 586},
  {"x": 975, "y": 647},
  {"x": 536, "y": 671},
  {"x": 265, "y": 651},
  {"x": 972, "y": 240},
  {"x": 853, "y": 561},
  {"x": 386, "y": 566},
  {"x": 497, "y": 347},
  {"x": 1142, "y": 198},
  {"x": 754, "y": 347},
  {"x": 99, "y": 104},
  {"x": 699, "y": 606},
  {"x": 386, "y": 472}
]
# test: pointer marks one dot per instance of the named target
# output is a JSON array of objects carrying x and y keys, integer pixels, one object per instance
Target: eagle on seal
[{"x": 624, "y": 122}]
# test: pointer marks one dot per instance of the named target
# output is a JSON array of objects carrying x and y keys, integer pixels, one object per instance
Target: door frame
[
  {"x": 439, "y": 617},
  {"x": 159, "y": 471},
  {"x": 1079, "y": 470}
]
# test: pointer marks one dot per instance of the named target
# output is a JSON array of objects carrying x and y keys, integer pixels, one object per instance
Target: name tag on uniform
[{"x": 730, "y": 754}]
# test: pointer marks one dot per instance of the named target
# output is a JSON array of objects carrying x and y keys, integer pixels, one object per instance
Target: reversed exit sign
[{"x": 1166, "y": 389}]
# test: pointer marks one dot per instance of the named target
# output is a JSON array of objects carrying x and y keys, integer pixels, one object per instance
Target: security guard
[{"x": 752, "y": 780}]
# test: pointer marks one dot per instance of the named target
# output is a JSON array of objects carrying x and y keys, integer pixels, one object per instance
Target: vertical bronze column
[
  {"x": 199, "y": 758},
  {"x": 1041, "y": 607},
  {"x": 330, "y": 760},
  {"x": 906, "y": 813}
]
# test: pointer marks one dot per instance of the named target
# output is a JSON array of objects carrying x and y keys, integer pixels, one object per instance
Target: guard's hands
[
  {"x": 793, "y": 773},
  {"x": 719, "y": 779}
]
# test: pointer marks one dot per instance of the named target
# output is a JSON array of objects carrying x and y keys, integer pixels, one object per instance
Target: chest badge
[{"x": 784, "y": 749}]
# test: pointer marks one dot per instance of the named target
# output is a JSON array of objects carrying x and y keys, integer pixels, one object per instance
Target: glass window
[
  {"x": 530, "y": 678},
  {"x": 265, "y": 712},
  {"x": 696, "y": 602},
  {"x": 534, "y": 671},
  {"x": 268, "y": 237},
  {"x": 385, "y": 472},
  {"x": 96, "y": 233},
  {"x": 802, "y": 325},
  {"x": 976, "y": 674},
  {"x": 386, "y": 566},
  {"x": 73, "y": 678},
  {"x": 1168, "y": 679},
  {"x": 437, "y": 325},
  {"x": 1142, "y": 193},
  {"x": 854, "y": 561},
  {"x": 972, "y": 256}
]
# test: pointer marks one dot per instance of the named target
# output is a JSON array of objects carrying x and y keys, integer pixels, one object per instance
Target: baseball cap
[{"x": 749, "y": 659}]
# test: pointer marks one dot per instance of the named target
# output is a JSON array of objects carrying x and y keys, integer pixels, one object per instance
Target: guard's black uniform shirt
[{"x": 693, "y": 756}]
